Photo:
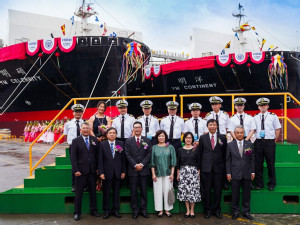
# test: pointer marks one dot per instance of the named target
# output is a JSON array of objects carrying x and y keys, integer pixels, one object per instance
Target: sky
[{"x": 167, "y": 24}]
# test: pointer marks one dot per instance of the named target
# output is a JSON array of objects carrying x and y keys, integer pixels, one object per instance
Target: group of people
[{"x": 196, "y": 163}]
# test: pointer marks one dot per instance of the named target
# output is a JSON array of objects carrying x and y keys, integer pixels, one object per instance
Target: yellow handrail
[{"x": 31, "y": 169}]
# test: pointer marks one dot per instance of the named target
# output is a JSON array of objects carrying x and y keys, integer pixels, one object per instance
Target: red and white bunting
[
  {"x": 257, "y": 57},
  {"x": 147, "y": 73},
  {"x": 49, "y": 45},
  {"x": 240, "y": 58},
  {"x": 156, "y": 70},
  {"x": 33, "y": 47},
  {"x": 67, "y": 44},
  {"x": 223, "y": 60}
]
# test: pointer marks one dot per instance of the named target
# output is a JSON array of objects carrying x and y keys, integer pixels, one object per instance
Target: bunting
[
  {"x": 228, "y": 45},
  {"x": 63, "y": 29},
  {"x": 262, "y": 44},
  {"x": 237, "y": 36}
]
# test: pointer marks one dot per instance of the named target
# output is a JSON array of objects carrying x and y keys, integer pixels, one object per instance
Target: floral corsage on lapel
[
  {"x": 118, "y": 148},
  {"x": 194, "y": 147},
  {"x": 167, "y": 144},
  {"x": 220, "y": 142},
  {"x": 248, "y": 151},
  {"x": 93, "y": 143},
  {"x": 144, "y": 144}
]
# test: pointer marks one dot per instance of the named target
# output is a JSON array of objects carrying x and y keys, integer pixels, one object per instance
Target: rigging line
[
  {"x": 54, "y": 84},
  {"x": 221, "y": 79},
  {"x": 98, "y": 76},
  {"x": 27, "y": 83},
  {"x": 65, "y": 78},
  {"x": 19, "y": 83},
  {"x": 295, "y": 58},
  {"x": 111, "y": 15}
]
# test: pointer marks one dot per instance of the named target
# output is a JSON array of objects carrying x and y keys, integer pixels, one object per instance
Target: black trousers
[
  {"x": 108, "y": 185},
  {"x": 135, "y": 182},
  {"x": 73, "y": 174},
  {"x": 246, "y": 188},
  {"x": 209, "y": 181},
  {"x": 265, "y": 149},
  {"x": 80, "y": 183}
]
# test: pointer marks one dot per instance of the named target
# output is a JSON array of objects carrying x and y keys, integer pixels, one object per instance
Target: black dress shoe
[
  {"x": 145, "y": 215},
  {"x": 207, "y": 215},
  {"x": 186, "y": 216},
  {"x": 218, "y": 215},
  {"x": 248, "y": 216},
  {"x": 192, "y": 216},
  {"x": 252, "y": 187},
  {"x": 225, "y": 186},
  {"x": 73, "y": 189},
  {"x": 117, "y": 214},
  {"x": 259, "y": 188},
  {"x": 135, "y": 216},
  {"x": 76, "y": 217},
  {"x": 95, "y": 214},
  {"x": 271, "y": 188},
  {"x": 86, "y": 189},
  {"x": 106, "y": 216},
  {"x": 235, "y": 216}
]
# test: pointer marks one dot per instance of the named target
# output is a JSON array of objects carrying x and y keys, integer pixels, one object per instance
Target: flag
[
  {"x": 72, "y": 19},
  {"x": 228, "y": 45},
  {"x": 96, "y": 19},
  {"x": 253, "y": 28},
  {"x": 105, "y": 30},
  {"x": 256, "y": 33},
  {"x": 101, "y": 25},
  {"x": 271, "y": 46},
  {"x": 63, "y": 29},
  {"x": 262, "y": 43},
  {"x": 237, "y": 36},
  {"x": 223, "y": 52}
]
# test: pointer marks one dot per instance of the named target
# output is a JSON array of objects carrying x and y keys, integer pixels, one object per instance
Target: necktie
[
  {"x": 78, "y": 129},
  {"x": 112, "y": 149},
  {"x": 122, "y": 127},
  {"x": 241, "y": 120},
  {"x": 241, "y": 149},
  {"x": 138, "y": 142},
  {"x": 212, "y": 141},
  {"x": 262, "y": 122},
  {"x": 196, "y": 127},
  {"x": 217, "y": 119},
  {"x": 171, "y": 128},
  {"x": 87, "y": 143},
  {"x": 147, "y": 127}
]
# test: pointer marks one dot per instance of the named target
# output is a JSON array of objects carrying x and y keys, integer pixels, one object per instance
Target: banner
[
  {"x": 156, "y": 70},
  {"x": 49, "y": 45},
  {"x": 240, "y": 58},
  {"x": 33, "y": 47},
  {"x": 67, "y": 44},
  {"x": 147, "y": 73},
  {"x": 257, "y": 57},
  {"x": 223, "y": 60}
]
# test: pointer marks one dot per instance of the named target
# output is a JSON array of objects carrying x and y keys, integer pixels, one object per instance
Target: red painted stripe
[{"x": 110, "y": 111}]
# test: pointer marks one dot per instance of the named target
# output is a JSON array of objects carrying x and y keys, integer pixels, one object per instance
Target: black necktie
[
  {"x": 78, "y": 129},
  {"x": 171, "y": 128},
  {"x": 122, "y": 127},
  {"x": 262, "y": 122},
  {"x": 196, "y": 127},
  {"x": 217, "y": 119},
  {"x": 241, "y": 120},
  {"x": 147, "y": 127}
]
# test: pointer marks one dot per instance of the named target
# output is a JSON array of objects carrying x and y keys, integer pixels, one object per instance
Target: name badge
[
  {"x": 149, "y": 136},
  {"x": 262, "y": 134},
  {"x": 196, "y": 137}
]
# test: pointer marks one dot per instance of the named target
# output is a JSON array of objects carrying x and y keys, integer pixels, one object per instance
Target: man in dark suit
[
  {"x": 212, "y": 152},
  {"x": 112, "y": 169},
  {"x": 138, "y": 153},
  {"x": 240, "y": 169},
  {"x": 84, "y": 165}
]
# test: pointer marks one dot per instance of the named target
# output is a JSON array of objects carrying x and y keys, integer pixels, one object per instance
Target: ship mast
[{"x": 84, "y": 12}]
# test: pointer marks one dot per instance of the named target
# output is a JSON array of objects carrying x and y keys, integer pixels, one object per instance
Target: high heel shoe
[{"x": 186, "y": 216}]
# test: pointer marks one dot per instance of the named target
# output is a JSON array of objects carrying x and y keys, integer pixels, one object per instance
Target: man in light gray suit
[{"x": 240, "y": 169}]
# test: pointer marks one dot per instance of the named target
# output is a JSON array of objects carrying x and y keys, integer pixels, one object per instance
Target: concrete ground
[{"x": 14, "y": 164}]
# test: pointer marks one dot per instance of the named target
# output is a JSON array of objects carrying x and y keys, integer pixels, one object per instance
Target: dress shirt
[
  {"x": 153, "y": 124},
  {"x": 223, "y": 119},
  {"x": 70, "y": 129},
  {"x": 248, "y": 121},
  {"x": 238, "y": 142},
  {"x": 189, "y": 125},
  {"x": 128, "y": 125},
  {"x": 165, "y": 125},
  {"x": 271, "y": 124}
]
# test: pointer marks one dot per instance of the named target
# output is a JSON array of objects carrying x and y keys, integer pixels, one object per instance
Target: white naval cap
[
  {"x": 77, "y": 107},
  {"x": 172, "y": 104},
  {"x": 195, "y": 106},
  {"x": 263, "y": 101},
  {"x": 239, "y": 101},
  {"x": 146, "y": 104},
  {"x": 215, "y": 100},
  {"x": 122, "y": 103}
]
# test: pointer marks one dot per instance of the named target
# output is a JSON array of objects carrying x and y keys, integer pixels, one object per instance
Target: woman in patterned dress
[{"x": 188, "y": 174}]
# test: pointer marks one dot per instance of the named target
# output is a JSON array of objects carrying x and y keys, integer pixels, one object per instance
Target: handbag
[{"x": 171, "y": 195}]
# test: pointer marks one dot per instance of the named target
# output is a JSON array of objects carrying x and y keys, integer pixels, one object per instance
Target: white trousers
[{"x": 160, "y": 189}]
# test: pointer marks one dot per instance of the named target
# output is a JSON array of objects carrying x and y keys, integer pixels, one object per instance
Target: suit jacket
[
  {"x": 108, "y": 165},
  {"x": 212, "y": 159},
  {"x": 240, "y": 167},
  {"x": 137, "y": 155},
  {"x": 84, "y": 160}
]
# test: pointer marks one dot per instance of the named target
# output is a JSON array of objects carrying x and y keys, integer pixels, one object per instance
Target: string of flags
[{"x": 63, "y": 29}]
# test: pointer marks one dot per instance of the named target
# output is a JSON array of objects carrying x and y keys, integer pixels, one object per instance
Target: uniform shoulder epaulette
[
  {"x": 203, "y": 118},
  {"x": 179, "y": 117},
  {"x": 225, "y": 113},
  {"x": 232, "y": 115},
  {"x": 139, "y": 117},
  {"x": 273, "y": 113},
  {"x": 207, "y": 114},
  {"x": 155, "y": 117},
  {"x": 255, "y": 114},
  {"x": 164, "y": 117},
  {"x": 130, "y": 115}
]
